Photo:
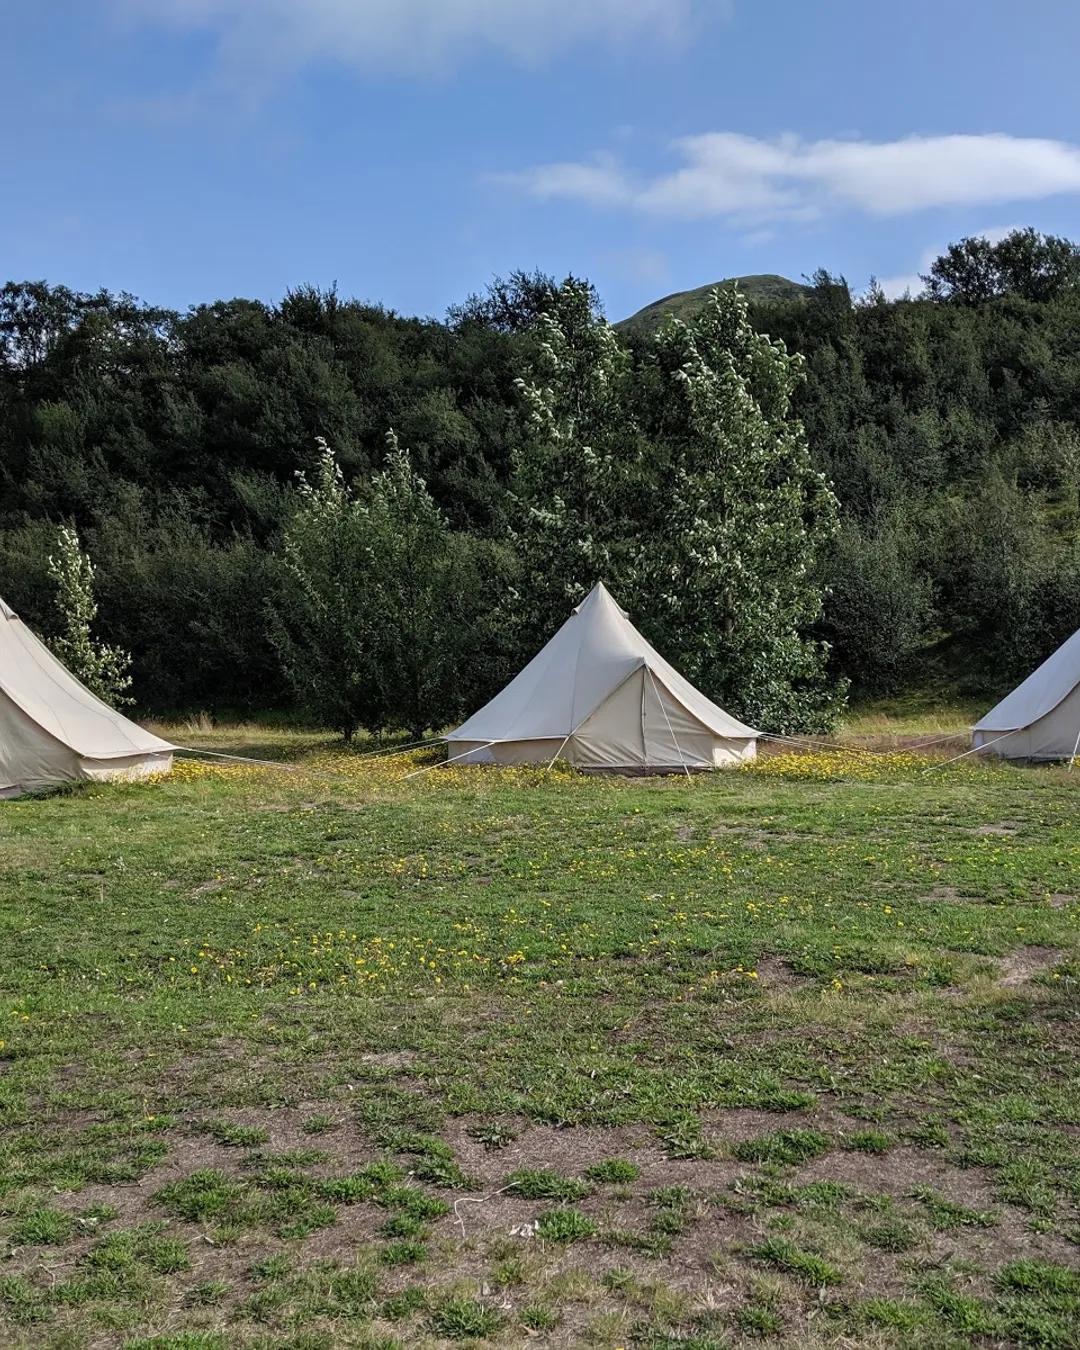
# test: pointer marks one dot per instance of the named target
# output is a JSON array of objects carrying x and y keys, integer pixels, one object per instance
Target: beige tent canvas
[
  {"x": 54, "y": 730},
  {"x": 601, "y": 698},
  {"x": 1040, "y": 719}
]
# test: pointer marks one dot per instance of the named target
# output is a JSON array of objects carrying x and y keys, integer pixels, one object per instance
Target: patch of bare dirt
[
  {"x": 774, "y": 973},
  {"x": 1059, "y": 901},
  {"x": 391, "y": 1059},
  {"x": 1025, "y": 963},
  {"x": 900, "y": 1171},
  {"x": 944, "y": 895},
  {"x": 1004, "y": 828}
]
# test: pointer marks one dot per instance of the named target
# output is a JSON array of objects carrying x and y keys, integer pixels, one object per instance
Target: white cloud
[
  {"x": 727, "y": 174},
  {"x": 274, "y": 36}
]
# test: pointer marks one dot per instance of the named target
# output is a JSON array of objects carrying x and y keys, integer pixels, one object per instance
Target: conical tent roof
[
  {"x": 1042, "y": 691},
  {"x": 52, "y": 728},
  {"x": 588, "y": 661},
  {"x": 1040, "y": 719}
]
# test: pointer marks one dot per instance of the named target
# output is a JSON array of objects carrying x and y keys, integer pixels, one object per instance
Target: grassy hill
[{"x": 685, "y": 304}]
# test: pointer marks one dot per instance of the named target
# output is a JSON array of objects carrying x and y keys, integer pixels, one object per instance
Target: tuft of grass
[
  {"x": 42, "y": 1226},
  {"x": 180, "y": 1340},
  {"x": 678, "y": 1340},
  {"x": 275, "y": 1267},
  {"x": 404, "y": 1252},
  {"x": 539, "y": 1318},
  {"x": 649, "y": 1244},
  {"x": 758, "y": 1322},
  {"x": 399, "y": 1140},
  {"x": 806, "y": 1266},
  {"x": 444, "y": 1172},
  {"x": 929, "y": 1133},
  {"x": 613, "y": 1171},
  {"x": 466, "y": 1319},
  {"x": 685, "y": 1138},
  {"x": 868, "y": 1141},
  {"x": 407, "y": 1304},
  {"x": 317, "y": 1124},
  {"x": 564, "y": 1225},
  {"x": 208, "y": 1294},
  {"x": 946, "y": 1215},
  {"x": 205, "y": 1194},
  {"x": 888, "y": 1312},
  {"x": 493, "y": 1134},
  {"x": 783, "y": 1146},
  {"x": 414, "y": 1201},
  {"x": 891, "y": 1235},
  {"x": 1038, "y": 1277},
  {"x": 403, "y": 1226},
  {"x": 510, "y": 1273},
  {"x": 22, "y": 1302},
  {"x": 237, "y": 1136},
  {"x": 313, "y": 1217},
  {"x": 962, "y": 1313},
  {"x": 543, "y": 1184}
]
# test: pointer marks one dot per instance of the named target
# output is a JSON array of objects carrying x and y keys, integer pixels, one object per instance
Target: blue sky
[{"x": 189, "y": 150}]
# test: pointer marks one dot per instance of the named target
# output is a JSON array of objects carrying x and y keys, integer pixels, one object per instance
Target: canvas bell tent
[
  {"x": 54, "y": 730},
  {"x": 599, "y": 697},
  {"x": 1040, "y": 719}
]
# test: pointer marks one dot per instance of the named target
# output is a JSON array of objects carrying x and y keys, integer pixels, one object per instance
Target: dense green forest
[{"x": 948, "y": 426}]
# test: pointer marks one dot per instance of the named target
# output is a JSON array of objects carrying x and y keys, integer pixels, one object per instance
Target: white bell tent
[
  {"x": 54, "y": 730},
  {"x": 601, "y": 698},
  {"x": 1040, "y": 719}
]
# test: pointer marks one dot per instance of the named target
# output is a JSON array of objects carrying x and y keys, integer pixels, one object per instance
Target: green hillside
[{"x": 685, "y": 304}]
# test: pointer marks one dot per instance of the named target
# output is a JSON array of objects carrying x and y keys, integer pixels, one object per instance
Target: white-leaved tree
[
  {"x": 730, "y": 572},
  {"x": 575, "y": 469},
  {"x": 682, "y": 478},
  {"x": 103, "y": 669}
]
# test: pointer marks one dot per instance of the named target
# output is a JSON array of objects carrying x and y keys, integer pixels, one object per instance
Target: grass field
[{"x": 327, "y": 1056}]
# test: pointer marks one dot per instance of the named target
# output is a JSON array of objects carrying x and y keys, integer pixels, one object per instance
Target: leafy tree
[
  {"x": 324, "y": 625},
  {"x": 740, "y": 521},
  {"x": 380, "y": 623},
  {"x": 514, "y": 304},
  {"x": 686, "y": 483},
  {"x": 103, "y": 669},
  {"x": 1037, "y": 267},
  {"x": 573, "y": 481},
  {"x": 878, "y": 604},
  {"x": 433, "y": 589}
]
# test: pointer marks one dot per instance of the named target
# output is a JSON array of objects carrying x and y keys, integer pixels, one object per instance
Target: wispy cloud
[
  {"x": 415, "y": 36},
  {"x": 724, "y": 174}
]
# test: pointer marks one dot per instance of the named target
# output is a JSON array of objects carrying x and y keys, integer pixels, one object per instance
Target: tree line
[{"x": 325, "y": 504}]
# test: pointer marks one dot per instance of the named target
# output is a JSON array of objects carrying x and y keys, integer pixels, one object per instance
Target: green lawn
[{"x": 324, "y": 1056}]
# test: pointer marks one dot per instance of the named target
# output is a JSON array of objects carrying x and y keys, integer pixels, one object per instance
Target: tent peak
[{"x": 598, "y": 595}]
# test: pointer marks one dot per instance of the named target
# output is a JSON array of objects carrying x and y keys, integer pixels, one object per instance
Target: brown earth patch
[
  {"x": 775, "y": 973},
  {"x": 1005, "y": 828},
  {"x": 944, "y": 894},
  {"x": 899, "y": 1171},
  {"x": 1025, "y": 963},
  {"x": 391, "y": 1059}
]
